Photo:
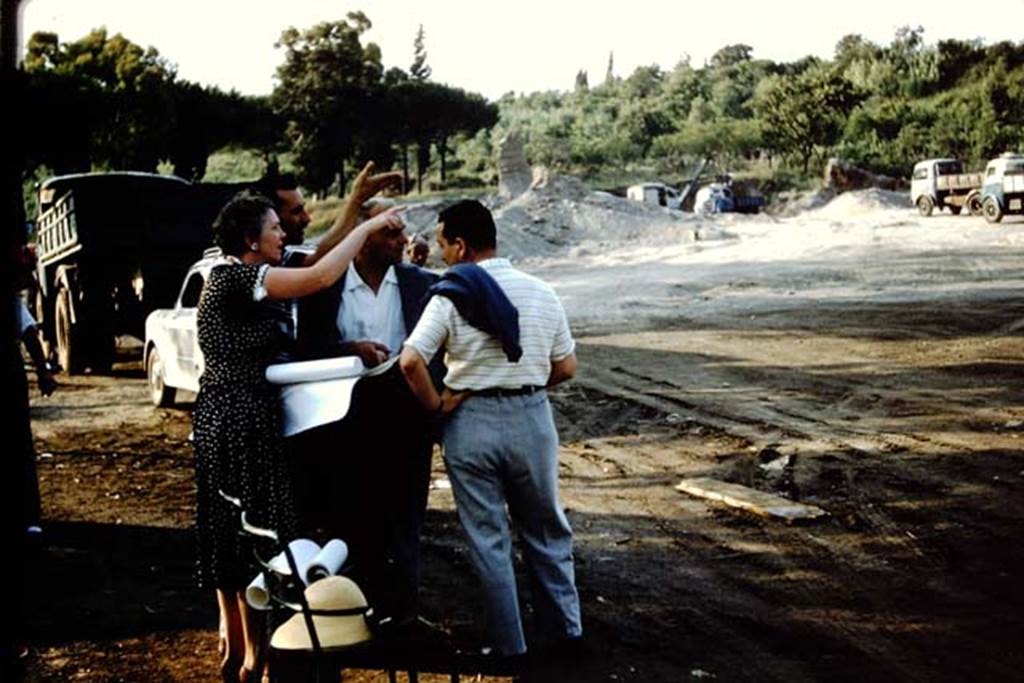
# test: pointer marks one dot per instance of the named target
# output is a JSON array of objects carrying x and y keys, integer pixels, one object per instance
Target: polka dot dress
[{"x": 237, "y": 426}]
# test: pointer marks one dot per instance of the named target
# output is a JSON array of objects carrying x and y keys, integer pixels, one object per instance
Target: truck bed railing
[
  {"x": 58, "y": 231},
  {"x": 959, "y": 181}
]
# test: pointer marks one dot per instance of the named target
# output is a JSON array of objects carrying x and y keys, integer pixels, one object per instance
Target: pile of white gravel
[{"x": 858, "y": 202}]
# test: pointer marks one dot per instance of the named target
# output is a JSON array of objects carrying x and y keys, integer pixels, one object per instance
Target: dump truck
[
  {"x": 1003, "y": 191},
  {"x": 721, "y": 196},
  {"x": 111, "y": 248},
  {"x": 942, "y": 183}
]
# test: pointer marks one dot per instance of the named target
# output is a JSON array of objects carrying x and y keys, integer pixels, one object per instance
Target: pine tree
[
  {"x": 419, "y": 70},
  {"x": 609, "y": 76}
]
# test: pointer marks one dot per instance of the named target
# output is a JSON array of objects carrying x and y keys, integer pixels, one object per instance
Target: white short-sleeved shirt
[
  {"x": 368, "y": 315},
  {"x": 475, "y": 359}
]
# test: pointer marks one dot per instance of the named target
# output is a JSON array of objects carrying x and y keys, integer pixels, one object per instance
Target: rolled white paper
[
  {"x": 315, "y": 370},
  {"x": 304, "y": 551},
  {"x": 256, "y": 593},
  {"x": 310, "y": 404},
  {"x": 328, "y": 561}
]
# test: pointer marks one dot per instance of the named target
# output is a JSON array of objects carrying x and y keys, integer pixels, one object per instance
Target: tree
[
  {"x": 956, "y": 58},
  {"x": 105, "y": 102},
  {"x": 465, "y": 113},
  {"x": 725, "y": 140},
  {"x": 129, "y": 93},
  {"x": 581, "y": 80},
  {"x": 644, "y": 82},
  {"x": 419, "y": 69},
  {"x": 731, "y": 55},
  {"x": 324, "y": 92},
  {"x": 434, "y": 113},
  {"x": 853, "y": 47},
  {"x": 800, "y": 113},
  {"x": 205, "y": 119}
]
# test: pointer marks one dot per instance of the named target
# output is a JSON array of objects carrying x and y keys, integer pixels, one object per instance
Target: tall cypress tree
[{"x": 419, "y": 70}]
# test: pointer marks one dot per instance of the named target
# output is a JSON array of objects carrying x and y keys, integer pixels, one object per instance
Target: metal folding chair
[
  {"x": 324, "y": 664},
  {"x": 287, "y": 595}
]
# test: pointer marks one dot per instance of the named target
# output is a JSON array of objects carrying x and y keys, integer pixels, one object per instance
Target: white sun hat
[{"x": 332, "y": 593}]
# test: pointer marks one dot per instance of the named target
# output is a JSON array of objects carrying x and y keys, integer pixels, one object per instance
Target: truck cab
[
  {"x": 1003, "y": 191},
  {"x": 938, "y": 183},
  {"x": 658, "y": 194}
]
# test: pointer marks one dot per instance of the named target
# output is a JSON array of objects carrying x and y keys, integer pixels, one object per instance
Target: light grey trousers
[{"x": 503, "y": 451}]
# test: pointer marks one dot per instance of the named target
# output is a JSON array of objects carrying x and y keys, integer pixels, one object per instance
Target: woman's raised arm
[{"x": 291, "y": 283}]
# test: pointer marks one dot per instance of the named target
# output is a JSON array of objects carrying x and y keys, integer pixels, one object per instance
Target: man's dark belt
[{"x": 501, "y": 391}]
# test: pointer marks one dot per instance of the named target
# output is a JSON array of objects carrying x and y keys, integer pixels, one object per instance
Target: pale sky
[{"x": 517, "y": 45}]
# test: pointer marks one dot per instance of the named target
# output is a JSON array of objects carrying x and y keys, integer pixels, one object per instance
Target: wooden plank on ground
[{"x": 752, "y": 500}]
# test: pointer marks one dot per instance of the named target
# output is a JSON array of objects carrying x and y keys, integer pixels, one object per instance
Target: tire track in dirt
[
  {"x": 889, "y": 635},
  {"x": 809, "y": 423}
]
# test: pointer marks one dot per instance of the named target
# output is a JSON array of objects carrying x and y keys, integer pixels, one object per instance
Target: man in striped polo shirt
[{"x": 501, "y": 448}]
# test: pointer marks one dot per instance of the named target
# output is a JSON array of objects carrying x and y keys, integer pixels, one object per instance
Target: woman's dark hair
[
  {"x": 470, "y": 220},
  {"x": 240, "y": 222}
]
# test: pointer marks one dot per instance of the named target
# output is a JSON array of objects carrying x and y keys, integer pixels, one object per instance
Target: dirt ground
[{"x": 901, "y": 416}]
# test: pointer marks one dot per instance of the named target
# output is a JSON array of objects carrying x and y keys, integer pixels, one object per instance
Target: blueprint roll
[
  {"x": 304, "y": 551},
  {"x": 328, "y": 561},
  {"x": 314, "y": 370},
  {"x": 256, "y": 593}
]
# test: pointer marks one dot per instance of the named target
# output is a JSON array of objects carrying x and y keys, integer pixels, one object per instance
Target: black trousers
[{"x": 365, "y": 479}]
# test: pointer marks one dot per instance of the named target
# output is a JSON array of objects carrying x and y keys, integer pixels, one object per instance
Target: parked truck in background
[
  {"x": 724, "y": 196},
  {"x": 112, "y": 247},
  {"x": 702, "y": 194},
  {"x": 1003, "y": 191},
  {"x": 658, "y": 194},
  {"x": 942, "y": 183}
]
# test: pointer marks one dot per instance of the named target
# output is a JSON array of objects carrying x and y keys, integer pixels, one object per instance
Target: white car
[{"x": 171, "y": 355}]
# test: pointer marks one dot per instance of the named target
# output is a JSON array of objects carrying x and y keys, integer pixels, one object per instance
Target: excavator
[{"x": 705, "y": 193}]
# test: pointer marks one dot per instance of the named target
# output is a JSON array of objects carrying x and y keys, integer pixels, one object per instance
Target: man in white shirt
[
  {"x": 283, "y": 190},
  {"x": 500, "y": 443},
  {"x": 368, "y": 480}
]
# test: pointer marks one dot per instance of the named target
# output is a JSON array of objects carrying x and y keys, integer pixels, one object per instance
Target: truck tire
[
  {"x": 990, "y": 207},
  {"x": 160, "y": 394},
  {"x": 974, "y": 204},
  {"x": 69, "y": 346},
  {"x": 925, "y": 205}
]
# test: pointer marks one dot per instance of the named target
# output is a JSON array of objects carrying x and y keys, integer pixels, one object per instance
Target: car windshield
[
  {"x": 192, "y": 290},
  {"x": 1015, "y": 168},
  {"x": 949, "y": 168}
]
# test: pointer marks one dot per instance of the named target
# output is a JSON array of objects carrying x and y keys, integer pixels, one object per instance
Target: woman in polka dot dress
[{"x": 236, "y": 420}]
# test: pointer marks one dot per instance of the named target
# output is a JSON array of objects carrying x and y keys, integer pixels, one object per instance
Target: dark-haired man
[
  {"x": 507, "y": 339},
  {"x": 283, "y": 190}
]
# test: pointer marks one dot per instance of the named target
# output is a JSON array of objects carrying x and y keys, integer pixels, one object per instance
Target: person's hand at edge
[{"x": 368, "y": 185}]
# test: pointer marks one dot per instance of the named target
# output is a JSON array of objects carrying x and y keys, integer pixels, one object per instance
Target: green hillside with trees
[
  {"x": 883, "y": 107},
  {"x": 102, "y": 102}
]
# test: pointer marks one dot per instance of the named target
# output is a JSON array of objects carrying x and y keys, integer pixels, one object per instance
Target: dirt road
[{"x": 879, "y": 378}]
